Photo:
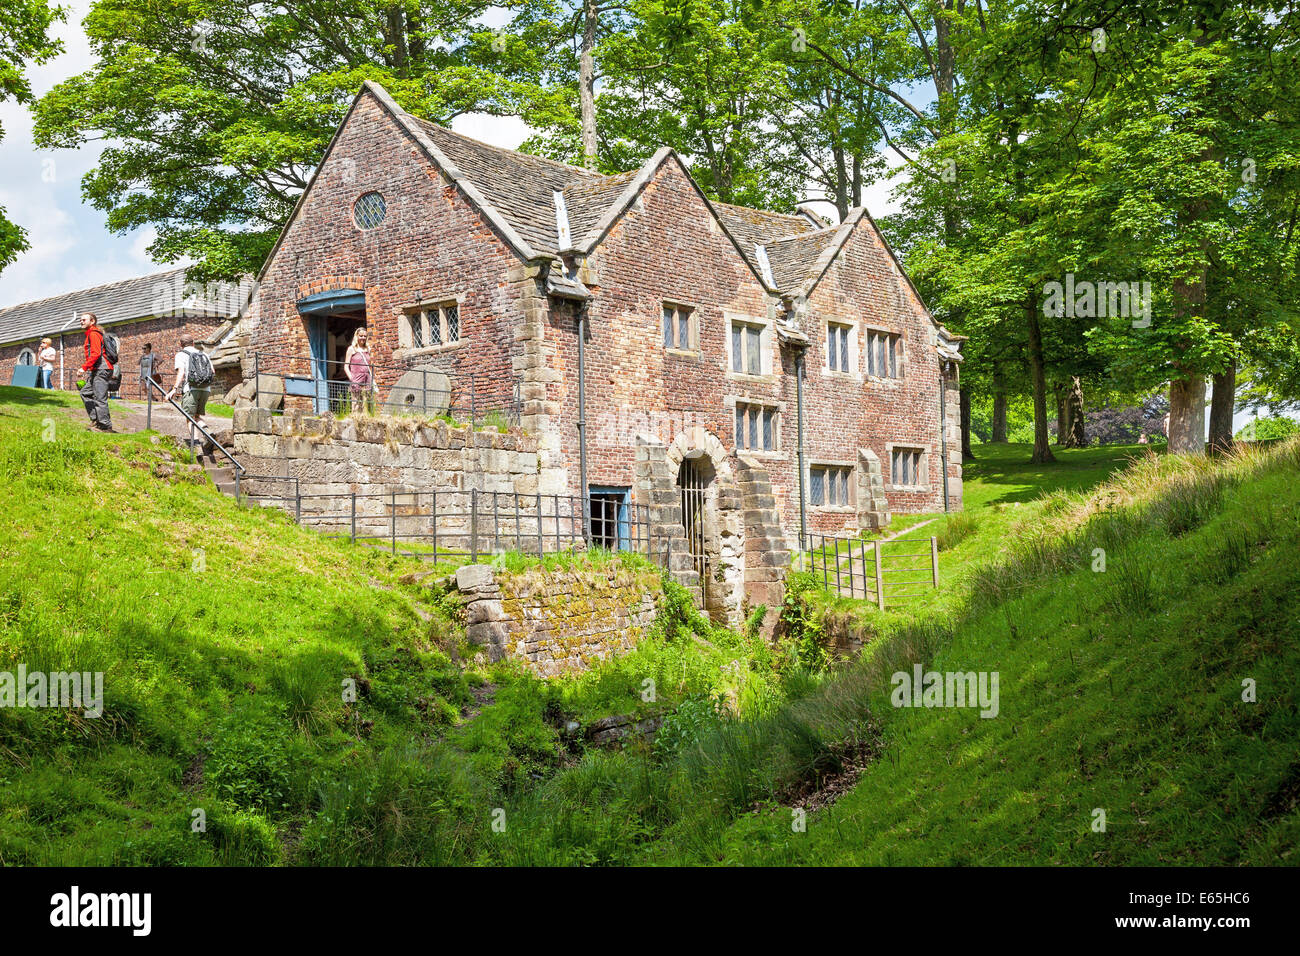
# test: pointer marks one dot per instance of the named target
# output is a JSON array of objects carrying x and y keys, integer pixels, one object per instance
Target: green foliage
[
  {"x": 1267, "y": 429},
  {"x": 249, "y": 762}
]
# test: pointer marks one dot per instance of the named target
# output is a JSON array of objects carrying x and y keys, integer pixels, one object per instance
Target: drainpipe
[
  {"x": 582, "y": 420},
  {"x": 803, "y": 500},
  {"x": 943, "y": 430}
]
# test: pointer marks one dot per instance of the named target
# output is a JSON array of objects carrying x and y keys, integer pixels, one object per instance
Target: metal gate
[{"x": 694, "y": 483}]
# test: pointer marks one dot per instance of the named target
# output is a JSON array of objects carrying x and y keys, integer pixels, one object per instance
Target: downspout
[
  {"x": 943, "y": 428},
  {"x": 803, "y": 500},
  {"x": 582, "y": 421}
]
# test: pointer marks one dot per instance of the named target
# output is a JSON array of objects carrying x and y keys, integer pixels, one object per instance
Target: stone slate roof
[
  {"x": 794, "y": 258},
  {"x": 139, "y": 298},
  {"x": 521, "y": 187}
]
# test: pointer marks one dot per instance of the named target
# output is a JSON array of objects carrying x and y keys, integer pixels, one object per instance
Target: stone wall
[
  {"x": 394, "y": 466},
  {"x": 558, "y": 621}
]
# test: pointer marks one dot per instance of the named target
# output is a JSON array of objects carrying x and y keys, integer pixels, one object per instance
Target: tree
[
  {"x": 218, "y": 111},
  {"x": 24, "y": 40}
]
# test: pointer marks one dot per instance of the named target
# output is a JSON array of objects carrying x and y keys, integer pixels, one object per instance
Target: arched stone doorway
[{"x": 711, "y": 520}]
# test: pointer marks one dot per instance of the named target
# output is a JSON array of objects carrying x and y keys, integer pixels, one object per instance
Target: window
[
  {"x": 905, "y": 466},
  {"x": 680, "y": 328},
  {"x": 26, "y": 357},
  {"x": 755, "y": 427},
  {"x": 837, "y": 346},
  {"x": 435, "y": 325},
  {"x": 884, "y": 350},
  {"x": 369, "y": 210},
  {"x": 746, "y": 348},
  {"x": 609, "y": 518},
  {"x": 829, "y": 485}
]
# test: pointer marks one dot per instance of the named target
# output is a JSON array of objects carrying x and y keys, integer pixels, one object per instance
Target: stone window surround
[
  {"x": 923, "y": 448},
  {"x": 765, "y": 346},
  {"x": 851, "y": 466},
  {"x": 730, "y": 401},
  {"x": 694, "y": 351},
  {"x": 856, "y": 365},
  {"x": 426, "y": 303},
  {"x": 867, "y": 329}
]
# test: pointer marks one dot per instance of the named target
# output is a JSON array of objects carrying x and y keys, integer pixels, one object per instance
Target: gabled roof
[
  {"x": 529, "y": 199},
  {"x": 162, "y": 293},
  {"x": 521, "y": 187}
]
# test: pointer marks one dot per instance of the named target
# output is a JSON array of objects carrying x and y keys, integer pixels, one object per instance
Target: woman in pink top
[{"x": 360, "y": 375}]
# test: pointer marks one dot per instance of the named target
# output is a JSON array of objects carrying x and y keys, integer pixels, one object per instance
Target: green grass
[{"x": 225, "y": 636}]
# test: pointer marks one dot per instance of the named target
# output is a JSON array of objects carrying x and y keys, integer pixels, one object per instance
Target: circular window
[{"x": 369, "y": 210}]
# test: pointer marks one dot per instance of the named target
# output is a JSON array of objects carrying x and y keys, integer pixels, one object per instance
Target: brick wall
[
  {"x": 163, "y": 333},
  {"x": 431, "y": 246}
]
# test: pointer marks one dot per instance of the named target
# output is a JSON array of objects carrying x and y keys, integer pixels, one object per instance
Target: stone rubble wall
[{"x": 558, "y": 621}]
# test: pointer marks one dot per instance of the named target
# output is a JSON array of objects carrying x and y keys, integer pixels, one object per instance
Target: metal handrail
[{"x": 239, "y": 469}]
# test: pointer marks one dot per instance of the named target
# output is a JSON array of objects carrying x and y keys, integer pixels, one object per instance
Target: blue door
[{"x": 318, "y": 339}]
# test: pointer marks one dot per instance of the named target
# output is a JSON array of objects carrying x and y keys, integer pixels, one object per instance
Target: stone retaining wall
[
  {"x": 558, "y": 621},
  {"x": 377, "y": 459}
]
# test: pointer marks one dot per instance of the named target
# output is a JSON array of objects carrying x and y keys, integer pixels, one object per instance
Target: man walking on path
[
  {"x": 96, "y": 372},
  {"x": 194, "y": 377}
]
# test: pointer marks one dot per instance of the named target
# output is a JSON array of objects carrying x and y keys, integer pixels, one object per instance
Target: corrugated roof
[{"x": 162, "y": 293}]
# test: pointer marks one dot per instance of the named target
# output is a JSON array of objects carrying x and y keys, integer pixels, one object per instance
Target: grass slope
[{"x": 225, "y": 635}]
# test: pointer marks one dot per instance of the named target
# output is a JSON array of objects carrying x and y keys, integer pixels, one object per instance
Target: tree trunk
[
  {"x": 587, "y": 82},
  {"x": 1187, "y": 415},
  {"x": 999, "y": 407},
  {"x": 1038, "y": 373},
  {"x": 1075, "y": 434},
  {"x": 1062, "y": 422},
  {"x": 966, "y": 453},
  {"x": 1222, "y": 404}
]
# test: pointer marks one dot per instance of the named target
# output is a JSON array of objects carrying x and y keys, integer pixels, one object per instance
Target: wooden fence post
[{"x": 934, "y": 559}]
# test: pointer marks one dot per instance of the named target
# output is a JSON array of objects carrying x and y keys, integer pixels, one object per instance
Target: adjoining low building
[{"x": 155, "y": 309}]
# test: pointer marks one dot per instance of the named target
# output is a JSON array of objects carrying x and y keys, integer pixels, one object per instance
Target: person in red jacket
[{"x": 96, "y": 372}]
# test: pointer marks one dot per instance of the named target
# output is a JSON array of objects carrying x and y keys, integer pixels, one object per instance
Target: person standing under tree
[{"x": 97, "y": 372}]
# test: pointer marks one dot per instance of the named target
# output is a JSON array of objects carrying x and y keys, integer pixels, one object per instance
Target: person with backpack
[
  {"x": 194, "y": 378},
  {"x": 98, "y": 372}
]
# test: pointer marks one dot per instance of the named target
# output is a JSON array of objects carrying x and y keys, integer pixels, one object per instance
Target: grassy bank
[{"x": 228, "y": 639}]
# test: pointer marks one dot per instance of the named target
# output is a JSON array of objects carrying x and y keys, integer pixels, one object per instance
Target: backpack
[
  {"x": 201, "y": 373},
  {"x": 109, "y": 346}
]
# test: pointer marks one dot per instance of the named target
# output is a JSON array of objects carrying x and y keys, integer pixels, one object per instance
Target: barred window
[
  {"x": 829, "y": 485},
  {"x": 756, "y": 427},
  {"x": 837, "y": 346},
  {"x": 905, "y": 466},
  {"x": 680, "y": 330},
  {"x": 884, "y": 350}
]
